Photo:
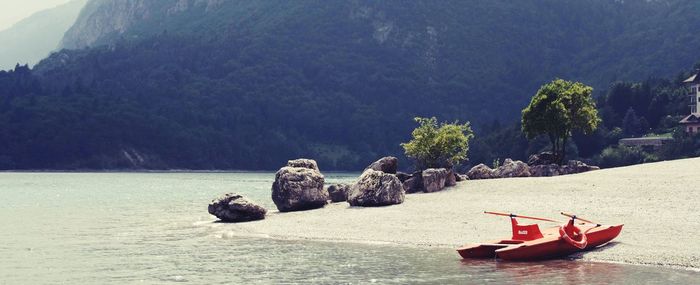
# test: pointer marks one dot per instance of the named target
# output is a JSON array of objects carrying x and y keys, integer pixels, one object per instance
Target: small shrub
[
  {"x": 615, "y": 156},
  {"x": 438, "y": 145}
]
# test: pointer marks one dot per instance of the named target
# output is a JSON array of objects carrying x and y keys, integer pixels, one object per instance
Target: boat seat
[
  {"x": 525, "y": 232},
  {"x": 510, "y": 241}
]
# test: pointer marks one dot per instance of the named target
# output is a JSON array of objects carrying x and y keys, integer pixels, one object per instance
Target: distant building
[{"x": 691, "y": 123}]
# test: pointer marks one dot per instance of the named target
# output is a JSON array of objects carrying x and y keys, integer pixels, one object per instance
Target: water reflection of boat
[
  {"x": 553, "y": 271},
  {"x": 529, "y": 243}
]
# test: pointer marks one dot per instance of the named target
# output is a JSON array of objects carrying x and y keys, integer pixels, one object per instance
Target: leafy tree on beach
[
  {"x": 438, "y": 145},
  {"x": 558, "y": 109}
]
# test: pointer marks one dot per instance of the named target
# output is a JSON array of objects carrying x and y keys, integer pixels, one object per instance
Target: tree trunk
[
  {"x": 553, "y": 142},
  {"x": 563, "y": 150}
]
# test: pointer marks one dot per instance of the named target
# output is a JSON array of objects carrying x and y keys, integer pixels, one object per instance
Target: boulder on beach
[
  {"x": 545, "y": 170},
  {"x": 461, "y": 177},
  {"x": 338, "y": 192},
  {"x": 451, "y": 179},
  {"x": 388, "y": 164},
  {"x": 434, "y": 179},
  {"x": 303, "y": 163},
  {"x": 414, "y": 183},
  {"x": 376, "y": 188},
  {"x": 299, "y": 188},
  {"x": 235, "y": 208},
  {"x": 403, "y": 176},
  {"x": 575, "y": 166},
  {"x": 480, "y": 171},
  {"x": 511, "y": 168}
]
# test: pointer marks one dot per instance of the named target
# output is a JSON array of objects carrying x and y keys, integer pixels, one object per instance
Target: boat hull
[{"x": 551, "y": 245}]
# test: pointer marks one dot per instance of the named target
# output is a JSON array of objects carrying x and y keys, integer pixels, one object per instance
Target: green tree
[
  {"x": 438, "y": 145},
  {"x": 559, "y": 108}
]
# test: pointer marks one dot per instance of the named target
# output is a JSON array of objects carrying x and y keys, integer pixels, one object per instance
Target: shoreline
[
  {"x": 655, "y": 201},
  {"x": 575, "y": 257},
  {"x": 158, "y": 171}
]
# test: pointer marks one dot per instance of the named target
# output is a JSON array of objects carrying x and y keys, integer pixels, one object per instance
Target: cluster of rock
[
  {"x": 538, "y": 166},
  {"x": 430, "y": 180},
  {"x": 234, "y": 208},
  {"x": 381, "y": 184},
  {"x": 300, "y": 186},
  {"x": 571, "y": 167}
]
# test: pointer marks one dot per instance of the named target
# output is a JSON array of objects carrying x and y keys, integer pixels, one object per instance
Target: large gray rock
[
  {"x": 434, "y": 179},
  {"x": 575, "y": 166},
  {"x": 387, "y": 164},
  {"x": 303, "y": 163},
  {"x": 512, "y": 168},
  {"x": 298, "y": 188},
  {"x": 376, "y": 188},
  {"x": 414, "y": 183},
  {"x": 461, "y": 177},
  {"x": 572, "y": 167},
  {"x": 545, "y": 170},
  {"x": 480, "y": 171},
  {"x": 338, "y": 192},
  {"x": 403, "y": 176},
  {"x": 234, "y": 208},
  {"x": 451, "y": 179}
]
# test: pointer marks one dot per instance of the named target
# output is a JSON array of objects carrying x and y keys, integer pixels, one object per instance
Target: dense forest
[{"x": 250, "y": 84}]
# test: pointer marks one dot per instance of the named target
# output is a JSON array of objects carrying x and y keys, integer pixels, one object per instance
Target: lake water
[{"x": 153, "y": 228}]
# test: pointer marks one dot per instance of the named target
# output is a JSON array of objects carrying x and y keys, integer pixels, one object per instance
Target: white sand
[{"x": 657, "y": 202}]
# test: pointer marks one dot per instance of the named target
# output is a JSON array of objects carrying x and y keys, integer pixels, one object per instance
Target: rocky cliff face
[{"x": 102, "y": 20}]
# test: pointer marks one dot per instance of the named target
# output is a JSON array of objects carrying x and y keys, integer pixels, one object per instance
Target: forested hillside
[{"x": 250, "y": 84}]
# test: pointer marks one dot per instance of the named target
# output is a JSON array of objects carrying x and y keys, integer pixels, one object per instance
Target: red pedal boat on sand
[{"x": 529, "y": 243}]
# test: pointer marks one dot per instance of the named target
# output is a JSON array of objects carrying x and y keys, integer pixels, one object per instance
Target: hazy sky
[{"x": 12, "y": 11}]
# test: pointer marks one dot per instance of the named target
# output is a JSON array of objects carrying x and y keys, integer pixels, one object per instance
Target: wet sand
[{"x": 657, "y": 202}]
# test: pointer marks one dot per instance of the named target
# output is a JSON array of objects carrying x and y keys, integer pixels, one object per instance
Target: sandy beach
[{"x": 657, "y": 202}]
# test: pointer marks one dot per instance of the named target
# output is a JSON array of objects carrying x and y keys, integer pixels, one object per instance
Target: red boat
[{"x": 529, "y": 243}]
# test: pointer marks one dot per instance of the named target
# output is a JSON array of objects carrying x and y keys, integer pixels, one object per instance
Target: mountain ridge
[
  {"x": 33, "y": 38},
  {"x": 250, "y": 84}
]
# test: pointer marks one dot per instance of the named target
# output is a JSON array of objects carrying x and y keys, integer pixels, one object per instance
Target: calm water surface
[{"x": 153, "y": 228}]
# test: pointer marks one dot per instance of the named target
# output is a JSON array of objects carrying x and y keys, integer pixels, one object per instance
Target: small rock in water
[{"x": 234, "y": 208}]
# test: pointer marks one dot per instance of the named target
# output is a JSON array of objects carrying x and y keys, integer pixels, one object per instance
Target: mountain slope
[
  {"x": 35, "y": 37},
  {"x": 249, "y": 84}
]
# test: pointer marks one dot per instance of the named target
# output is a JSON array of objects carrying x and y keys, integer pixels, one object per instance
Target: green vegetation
[
  {"x": 434, "y": 146},
  {"x": 558, "y": 109},
  {"x": 251, "y": 84},
  {"x": 657, "y": 104},
  {"x": 613, "y": 156}
]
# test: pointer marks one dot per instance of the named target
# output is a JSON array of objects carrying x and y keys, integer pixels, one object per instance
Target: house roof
[
  {"x": 692, "y": 78},
  {"x": 691, "y": 119}
]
